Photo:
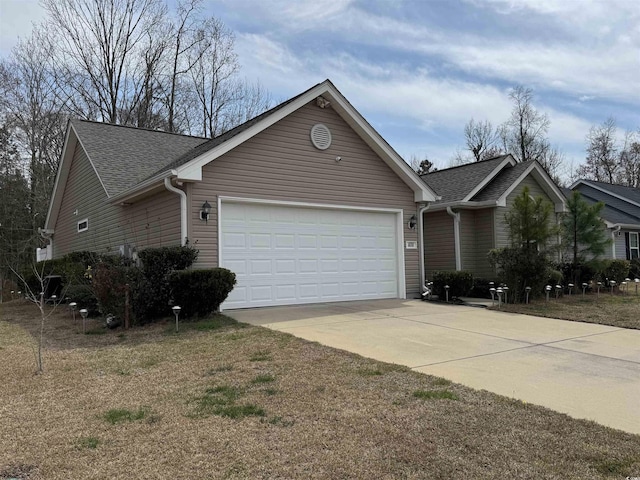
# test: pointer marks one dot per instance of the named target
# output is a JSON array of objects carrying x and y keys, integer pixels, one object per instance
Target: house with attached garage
[
  {"x": 621, "y": 214},
  {"x": 467, "y": 221},
  {"x": 306, "y": 202}
]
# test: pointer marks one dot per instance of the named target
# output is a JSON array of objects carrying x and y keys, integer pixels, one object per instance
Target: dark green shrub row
[
  {"x": 152, "y": 293},
  {"x": 460, "y": 283},
  {"x": 616, "y": 270},
  {"x": 200, "y": 292},
  {"x": 481, "y": 287},
  {"x": 520, "y": 268}
]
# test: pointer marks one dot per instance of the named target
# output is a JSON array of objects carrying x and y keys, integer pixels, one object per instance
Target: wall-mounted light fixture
[
  {"x": 413, "y": 221},
  {"x": 204, "y": 211}
]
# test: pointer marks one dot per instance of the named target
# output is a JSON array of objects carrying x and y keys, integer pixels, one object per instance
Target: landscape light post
[
  {"x": 570, "y": 288},
  {"x": 598, "y": 292},
  {"x": 446, "y": 290},
  {"x": 584, "y": 287},
  {"x": 493, "y": 295},
  {"x": 499, "y": 292},
  {"x": 612, "y": 283},
  {"x": 527, "y": 291},
  {"x": 84, "y": 313},
  {"x": 505, "y": 289},
  {"x": 558, "y": 289},
  {"x": 72, "y": 307},
  {"x": 176, "y": 311},
  {"x": 547, "y": 289}
]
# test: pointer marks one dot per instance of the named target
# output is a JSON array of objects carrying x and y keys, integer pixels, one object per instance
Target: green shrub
[
  {"x": 83, "y": 295},
  {"x": 520, "y": 268},
  {"x": 200, "y": 292},
  {"x": 578, "y": 273},
  {"x": 481, "y": 287},
  {"x": 152, "y": 292},
  {"x": 460, "y": 283},
  {"x": 109, "y": 287},
  {"x": 616, "y": 270},
  {"x": 634, "y": 268}
]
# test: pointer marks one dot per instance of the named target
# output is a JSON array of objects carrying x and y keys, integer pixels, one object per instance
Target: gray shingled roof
[
  {"x": 124, "y": 156},
  {"x": 501, "y": 183},
  {"x": 454, "y": 184},
  {"x": 631, "y": 193},
  {"x": 615, "y": 210}
]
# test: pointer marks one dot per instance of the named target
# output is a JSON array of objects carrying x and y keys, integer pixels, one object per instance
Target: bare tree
[
  {"x": 96, "y": 49},
  {"x": 481, "y": 139},
  {"x": 602, "y": 153},
  {"x": 212, "y": 74},
  {"x": 421, "y": 167},
  {"x": 629, "y": 171},
  {"x": 524, "y": 134}
]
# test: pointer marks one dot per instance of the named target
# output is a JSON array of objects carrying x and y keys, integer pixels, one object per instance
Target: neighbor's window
[
  {"x": 634, "y": 245},
  {"x": 83, "y": 225}
]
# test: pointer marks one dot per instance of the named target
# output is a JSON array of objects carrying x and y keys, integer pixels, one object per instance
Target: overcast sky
[{"x": 419, "y": 70}]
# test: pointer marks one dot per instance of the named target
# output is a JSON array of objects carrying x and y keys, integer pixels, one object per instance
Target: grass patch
[
  {"x": 441, "y": 382},
  {"x": 219, "y": 369},
  {"x": 270, "y": 391},
  {"x": 618, "y": 310},
  {"x": 435, "y": 395},
  {"x": 280, "y": 422},
  {"x": 264, "y": 378},
  {"x": 215, "y": 322},
  {"x": 88, "y": 442},
  {"x": 221, "y": 400},
  {"x": 261, "y": 356},
  {"x": 96, "y": 331},
  {"x": 119, "y": 415},
  {"x": 614, "y": 466},
  {"x": 369, "y": 372}
]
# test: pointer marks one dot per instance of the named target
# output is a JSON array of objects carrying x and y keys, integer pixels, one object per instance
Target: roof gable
[
  {"x": 459, "y": 183},
  {"x": 189, "y": 166}
]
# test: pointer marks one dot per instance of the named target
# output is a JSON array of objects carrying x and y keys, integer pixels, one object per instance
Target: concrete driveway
[{"x": 585, "y": 370}]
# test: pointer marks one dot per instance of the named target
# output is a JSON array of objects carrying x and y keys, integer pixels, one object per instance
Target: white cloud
[{"x": 16, "y": 17}]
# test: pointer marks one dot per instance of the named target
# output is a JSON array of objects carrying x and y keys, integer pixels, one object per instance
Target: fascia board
[
  {"x": 434, "y": 207},
  {"x": 61, "y": 175},
  {"x": 628, "y": 226},
  {"x": 604, "y": 190},
  {"x": 141, "y": 188},
  {"x": 509, "y": 160}
]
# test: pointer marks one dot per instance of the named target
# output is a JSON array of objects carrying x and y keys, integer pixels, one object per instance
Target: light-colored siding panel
[
  {"x": 438, "y": 242},
  {"x": 501, "y": 231},
  {"x": 152, "y": 222},
  {"x": 281, "y": 163}
]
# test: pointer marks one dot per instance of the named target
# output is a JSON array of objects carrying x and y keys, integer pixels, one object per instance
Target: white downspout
[
  {"x": 456, "y": 236},
  {"x": 421, "y": 211},
  {"x": 613, "y": 241},
  {"x": 183, "y": 209}
]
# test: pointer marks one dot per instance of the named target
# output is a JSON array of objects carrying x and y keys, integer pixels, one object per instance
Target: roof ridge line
[{"x": 131, "y": 127}]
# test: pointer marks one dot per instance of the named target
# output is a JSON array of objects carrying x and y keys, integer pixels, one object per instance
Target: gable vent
[{"x": 320, "y": 136}]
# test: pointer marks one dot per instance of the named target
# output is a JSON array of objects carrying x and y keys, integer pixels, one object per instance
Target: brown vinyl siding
[
  {"x": 280, "y": 163},
  {"x": 483, "y": 223},
  {"x": 152, "y": 222},
  {"x": 467, "y": 240},
  {"x": 438, "y": 242}
]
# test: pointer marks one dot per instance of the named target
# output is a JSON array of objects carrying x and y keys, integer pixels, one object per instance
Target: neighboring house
[
  {"x": 621, "y": 214},
  {"x": 468, "y": 220},
  {"x": 305, "y": 203}
]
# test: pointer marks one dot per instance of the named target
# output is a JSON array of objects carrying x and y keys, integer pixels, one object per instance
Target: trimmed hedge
[
  {"x": 616, "y": 270},
  {"x": 201, "y": 292},
  {"x": 460, "y": 283}
]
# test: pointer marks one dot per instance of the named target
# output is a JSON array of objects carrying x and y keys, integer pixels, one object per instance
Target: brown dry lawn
[
  {"x": 225, "y": 400},
  {"x": 618, "y": 310}
]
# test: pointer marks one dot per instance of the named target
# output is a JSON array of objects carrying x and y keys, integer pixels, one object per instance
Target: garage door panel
[{"x": 286, "y": 255}]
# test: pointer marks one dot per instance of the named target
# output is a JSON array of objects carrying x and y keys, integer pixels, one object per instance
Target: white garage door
[{"x": 285, "y": 255}]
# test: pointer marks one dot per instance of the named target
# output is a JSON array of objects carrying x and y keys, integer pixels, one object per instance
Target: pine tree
[{"x": 583, "y": 230}]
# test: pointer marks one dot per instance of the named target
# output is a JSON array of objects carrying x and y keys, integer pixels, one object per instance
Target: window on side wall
[
  {"x": 634, "y": 245},
  {"x": 83, "y": 225}
]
